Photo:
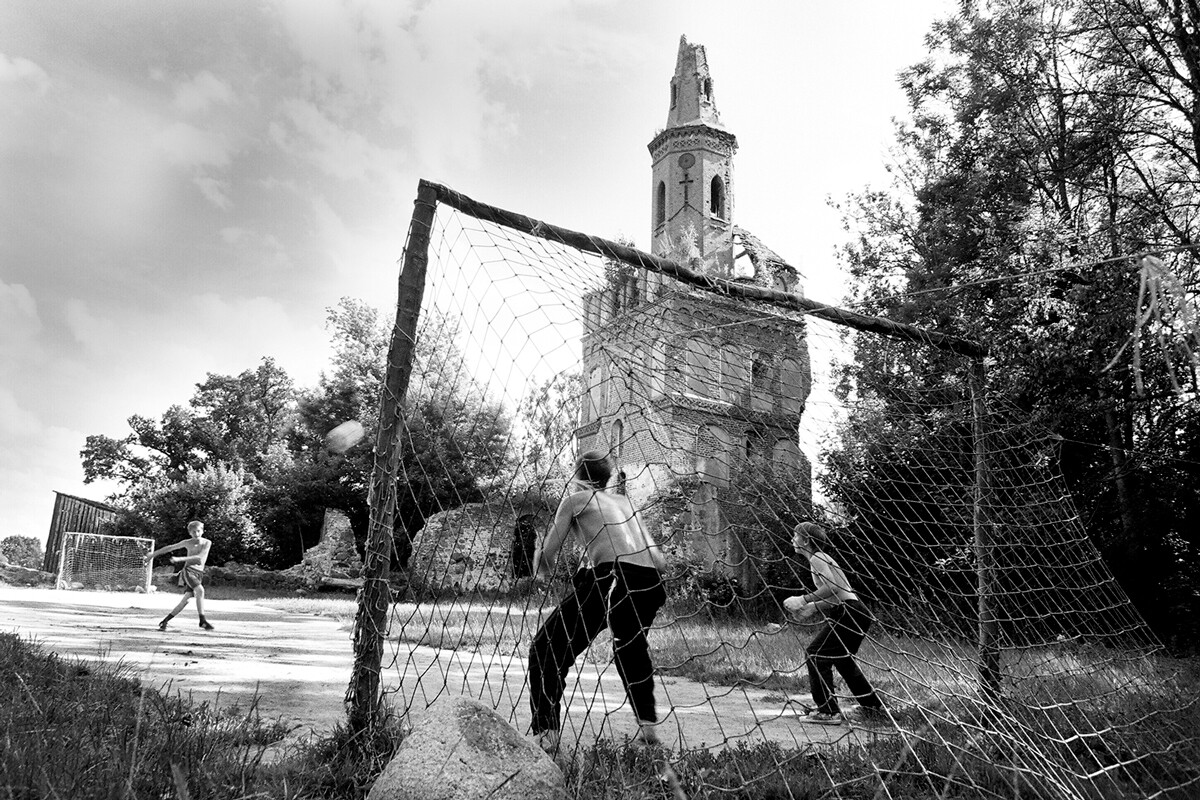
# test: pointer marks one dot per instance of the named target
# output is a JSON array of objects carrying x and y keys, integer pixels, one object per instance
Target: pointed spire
[{"x": 692, "y": 96}]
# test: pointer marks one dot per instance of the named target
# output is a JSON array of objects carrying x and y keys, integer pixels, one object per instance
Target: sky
[{"x": 185, "y": 187}]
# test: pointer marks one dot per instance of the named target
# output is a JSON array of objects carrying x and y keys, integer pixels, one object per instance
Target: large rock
[{"x": 461, "y": 749}]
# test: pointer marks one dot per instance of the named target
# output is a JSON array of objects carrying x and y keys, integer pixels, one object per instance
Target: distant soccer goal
[
  {"x": 97, "y": 562},
  {"x": 1009, "y": 661}
]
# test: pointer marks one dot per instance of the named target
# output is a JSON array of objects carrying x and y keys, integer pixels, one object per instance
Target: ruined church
[{"x": 683, "y": 387}]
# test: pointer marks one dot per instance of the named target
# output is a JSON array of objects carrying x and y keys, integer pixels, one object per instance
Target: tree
[
  {"x": 160, "y": 508},
  {"x": 455, "y": 439},
  {"x": 24, "y": 551},
  {"x": 1051, "y": 144}
]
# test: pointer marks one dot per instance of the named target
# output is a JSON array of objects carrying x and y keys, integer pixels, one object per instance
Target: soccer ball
[
  {"x": 796, "y": 608},
  {"x": 344, "y": 436}
]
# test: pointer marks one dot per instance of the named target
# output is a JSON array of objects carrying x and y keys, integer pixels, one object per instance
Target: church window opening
[
  {"x": 793, "y": 386},
  {"x": 716, "y": 197},
  {"x": 595, "y": 394},
  {"x": 660, "y": 204},
  {"x": 617, "y": 448},
  {"x": 735, "y": 373},
  {"x": 703, "y": 369},
  {"x": 707, "y": 85},
  {"x": 785, "y": 456},
  {"x": 674, "y": 94},
  {"x": 713, "y": 445}
]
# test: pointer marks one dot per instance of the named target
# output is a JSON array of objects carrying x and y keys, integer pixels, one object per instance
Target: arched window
[
  {"x": 617, "y": 446},
  {"x": 761, "y": 396},
  {"x": 657, "y": 368},
  {"x": 785, "y": 456},
  {"x": 674, "y": 94},
  {"x": 703, "y": 368},
  {"x": 595, "y": 394},
  {"x": 713, "y": 445},
  {"x": 716, "y": 197},
  {"x": 793, "y": 389},
  {"x": 660, "y": 204},
  {"x": 735, "y": 374},
  {"x": 708, "y": 88}
]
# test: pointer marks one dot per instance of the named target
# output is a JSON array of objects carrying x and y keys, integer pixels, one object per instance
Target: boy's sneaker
[
  {"x": 868, "y": 715},
  {"x": 823, "y": 718},
  {"x": 162, "y": 626},
  {"x": 646, "y": 736},
  {"x": 206, "y": 625}
]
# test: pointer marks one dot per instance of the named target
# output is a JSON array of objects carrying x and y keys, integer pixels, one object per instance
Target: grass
[{"x": 78, "y": 730}]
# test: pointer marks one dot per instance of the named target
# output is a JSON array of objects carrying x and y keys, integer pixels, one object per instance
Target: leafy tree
[
  {"x": 547, "y": 419},
  {"x": 219, "y": 496},
  {"x": 239, "y": 418},
  {"x": 1049, "y": 143},
  {"x": 24, "y": 551},
  {"x": 455, "y": 441}
]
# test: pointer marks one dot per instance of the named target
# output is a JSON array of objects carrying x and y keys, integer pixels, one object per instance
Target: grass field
[{"x": 78, "y": 729}]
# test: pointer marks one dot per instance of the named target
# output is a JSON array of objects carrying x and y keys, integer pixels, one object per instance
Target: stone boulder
[{"x": 461, "y": 749}]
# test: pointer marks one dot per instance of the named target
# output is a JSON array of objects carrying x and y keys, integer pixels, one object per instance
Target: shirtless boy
[
  {"x": 618, "y": 585},
  {"x": 191, "y": 573}
]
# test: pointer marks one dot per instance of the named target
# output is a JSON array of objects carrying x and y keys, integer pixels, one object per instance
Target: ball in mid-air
[{"x": 344, "y": 436}]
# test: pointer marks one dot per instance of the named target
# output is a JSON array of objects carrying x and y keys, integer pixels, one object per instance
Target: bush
[
  {"x": 23, "y": 551},
  {"x": 218, "y": 496}
]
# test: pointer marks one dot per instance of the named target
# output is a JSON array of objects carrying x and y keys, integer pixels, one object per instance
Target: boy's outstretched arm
[
  {"x": 165, "y": 549},
  {"x": 547, "y": 552}
]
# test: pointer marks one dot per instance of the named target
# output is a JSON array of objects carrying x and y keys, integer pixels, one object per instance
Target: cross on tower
[{"x": 685, "y": 183}]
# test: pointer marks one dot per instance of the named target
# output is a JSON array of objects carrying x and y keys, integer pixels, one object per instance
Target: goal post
[
  {"x": 99, "y": 562},
  {"x": 1010, "y": 660}
]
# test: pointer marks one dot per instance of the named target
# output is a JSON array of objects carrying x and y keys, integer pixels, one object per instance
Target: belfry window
[
  {"x": 716, "y": 197},
  {"x": 674, "y": 94},
  {"x": 660, "y": 204}
]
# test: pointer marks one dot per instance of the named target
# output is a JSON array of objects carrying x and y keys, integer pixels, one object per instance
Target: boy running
[
  {"x": 191, "y": 573},
  {"x": 619, "y": 586},
  {"x": 847, "y": 620}
]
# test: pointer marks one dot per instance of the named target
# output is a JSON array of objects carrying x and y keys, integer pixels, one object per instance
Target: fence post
[
  {"x": 985, "y": 555},
  {"x": 370, "y": 622}
]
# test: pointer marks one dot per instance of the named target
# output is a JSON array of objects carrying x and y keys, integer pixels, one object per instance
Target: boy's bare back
[{"x": 609, "y": 529}]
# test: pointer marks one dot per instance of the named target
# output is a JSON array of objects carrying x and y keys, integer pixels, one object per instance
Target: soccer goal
[
  {"x": 1009, "y": 661},
  {"x": 98, "y": 562}
]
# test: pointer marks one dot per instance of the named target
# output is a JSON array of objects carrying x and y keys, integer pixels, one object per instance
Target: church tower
[
  {"x": 693, "y": 394},
  {"x": 692, "y": 173}
]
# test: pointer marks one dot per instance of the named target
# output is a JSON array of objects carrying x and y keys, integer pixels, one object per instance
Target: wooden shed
[{"x": 75, "y": 515}]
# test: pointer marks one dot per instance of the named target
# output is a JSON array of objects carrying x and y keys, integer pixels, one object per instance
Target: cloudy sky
[{"x": 186, "y": 186}]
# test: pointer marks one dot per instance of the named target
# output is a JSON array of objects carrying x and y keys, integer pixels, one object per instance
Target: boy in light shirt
[{"x": 847, "y": 620}]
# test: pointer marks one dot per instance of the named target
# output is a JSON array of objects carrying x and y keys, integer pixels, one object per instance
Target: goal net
[
  {"x": 99, "y": 562},
  {"x": 1008, "y": 661}
]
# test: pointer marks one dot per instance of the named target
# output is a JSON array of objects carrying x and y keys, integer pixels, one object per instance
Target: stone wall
[{"x": 470, "y": 549}]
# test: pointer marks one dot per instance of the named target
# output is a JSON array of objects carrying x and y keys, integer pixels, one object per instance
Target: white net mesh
[
  {"x": 97, "y": 562},
  {"x": 1008, "y": 661}
]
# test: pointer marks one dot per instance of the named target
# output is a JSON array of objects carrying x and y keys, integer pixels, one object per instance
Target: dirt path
[{"x": 298, "y": 667}]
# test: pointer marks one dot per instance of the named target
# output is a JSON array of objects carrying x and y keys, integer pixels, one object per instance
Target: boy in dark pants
[
  {"x": 847, "y": 620},
  {"x": 618, "y": 586}
]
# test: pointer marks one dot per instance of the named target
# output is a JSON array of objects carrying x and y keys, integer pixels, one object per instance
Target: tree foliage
[
  {"x": 1051, "y": 146},
  {"x": 246, "y": 454},
  {"x": 24, "y": 551}
]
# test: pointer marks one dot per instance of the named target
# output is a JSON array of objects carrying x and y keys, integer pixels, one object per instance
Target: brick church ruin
[
  {"x": 684, "y": 386},
  {"x": 688, "y": 391}
]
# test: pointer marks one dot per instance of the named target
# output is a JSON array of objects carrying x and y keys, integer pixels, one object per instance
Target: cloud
[
  {"x": 22, "y": 70},
  {"x": 189, "y": 146},
  {"x": 20, "y": 326},
  {"x": 198, "y": 94},
  {"x": 15, "y": 421},
  {"x": 95, "y": 333},
  {"x": 335, "y": 149}
]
